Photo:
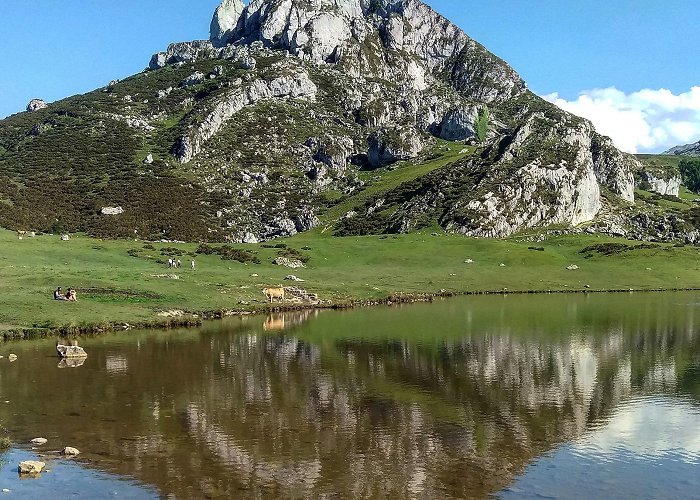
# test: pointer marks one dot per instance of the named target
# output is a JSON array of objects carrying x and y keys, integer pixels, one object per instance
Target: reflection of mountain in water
[{"x": 239, "y": 412}]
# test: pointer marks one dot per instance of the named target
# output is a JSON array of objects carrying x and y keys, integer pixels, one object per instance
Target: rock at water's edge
[
  {"x": 70, "y": 351},
  {"x": 31, "y": 467}
]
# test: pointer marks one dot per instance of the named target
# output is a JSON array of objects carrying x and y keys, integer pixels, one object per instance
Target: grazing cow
[{"x": 274, "y": 293}]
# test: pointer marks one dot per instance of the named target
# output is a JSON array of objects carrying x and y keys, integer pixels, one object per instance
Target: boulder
[
  {"x": 70, "y": 351},
  {"x": 31, "y": 467},
  {"x": 112, "y": 210},
  {"x": 291, "y": 277},
  {"x": 194, "y": 79},
  {"x": 39, "y": 441},
  {"x": 12, "y": 357},
  {"x": 36, "y": 105},
  {"x": 286, "y": 262},
  {"x": 70, "y": 452}
]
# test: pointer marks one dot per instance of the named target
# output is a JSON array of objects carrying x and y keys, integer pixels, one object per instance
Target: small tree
[
  {"x": 482, "y": 125},
  {"x": 690, "y": 173}
]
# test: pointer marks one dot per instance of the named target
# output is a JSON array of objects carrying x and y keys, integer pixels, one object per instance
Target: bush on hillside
[{"x": 690, "y": 173}]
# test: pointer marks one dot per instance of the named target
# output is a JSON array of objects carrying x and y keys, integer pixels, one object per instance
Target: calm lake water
[{"x": 568, "y": 396}]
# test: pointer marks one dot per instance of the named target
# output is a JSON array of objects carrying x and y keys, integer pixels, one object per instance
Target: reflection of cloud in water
[
  {"x": 116, "y": 364},
  {"x": 648, "y": 427}
]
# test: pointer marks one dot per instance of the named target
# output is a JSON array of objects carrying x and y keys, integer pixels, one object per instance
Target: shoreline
[{"x": 194, "y": 319}]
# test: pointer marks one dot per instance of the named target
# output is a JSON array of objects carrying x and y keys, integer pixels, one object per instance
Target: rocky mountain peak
[
  {"x": 225, "y": 20},
  {"x": 686, "y": 150},
  {"x": 260, "y": 128},
  {"x": 362, "y": 34}
]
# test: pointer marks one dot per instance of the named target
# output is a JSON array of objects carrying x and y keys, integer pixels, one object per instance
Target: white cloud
[{"x": 644, "y": 121}]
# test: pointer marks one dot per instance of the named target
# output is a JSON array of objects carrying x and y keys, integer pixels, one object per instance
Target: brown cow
[{"x": 274, "y": 293}]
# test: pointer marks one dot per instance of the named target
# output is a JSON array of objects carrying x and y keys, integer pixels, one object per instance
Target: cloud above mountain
[{"x": 644, "y": 121}]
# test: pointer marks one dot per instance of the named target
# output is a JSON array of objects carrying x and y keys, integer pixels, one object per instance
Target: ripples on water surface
[{"x": 555, "y": 396}]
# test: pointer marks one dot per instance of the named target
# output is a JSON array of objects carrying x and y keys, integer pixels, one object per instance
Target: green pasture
[{"x": 121, "y": 281}]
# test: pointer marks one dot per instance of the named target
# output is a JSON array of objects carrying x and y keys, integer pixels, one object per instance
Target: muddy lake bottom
[{"x": 561, "y": 396}]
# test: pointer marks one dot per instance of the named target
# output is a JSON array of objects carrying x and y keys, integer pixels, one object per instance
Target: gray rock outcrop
[
  {"x": 36, "y": 105},
  {"x": 183, "y": 52},
  {"x": 297, "y": 86},
  {"x": 665, "y": 185},
  {"x": 225, "y": 20},
  {"x": 389, "y": 145}
]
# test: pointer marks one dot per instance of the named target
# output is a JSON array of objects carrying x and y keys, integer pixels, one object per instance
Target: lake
[{"x": 574, "y": 396}]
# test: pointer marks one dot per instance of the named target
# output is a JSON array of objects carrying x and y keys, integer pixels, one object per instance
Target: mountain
[
  {"x": 687, "y": 150},
  {"x": 292, "y": 116}
]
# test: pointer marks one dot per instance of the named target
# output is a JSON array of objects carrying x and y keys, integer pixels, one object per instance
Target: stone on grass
[
  {"x": 12, "y": 357},
  {"x": 31, "y": 467},
  {"x": 291, "y": 263},
  {"x": 291, "y": 277},
  {"x": 572, "y": 267}
]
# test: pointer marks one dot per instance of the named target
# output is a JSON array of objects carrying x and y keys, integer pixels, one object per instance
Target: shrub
[
  {"x": 227, "y": 252},
  {"x": 293, "y": 254},
  {"x": 690, "y": 173},
  {"x": 482, "y": 125}
]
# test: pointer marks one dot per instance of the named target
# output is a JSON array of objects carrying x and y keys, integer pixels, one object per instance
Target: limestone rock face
[
  {"x": 339, "y": 31},
  {"x": 225, "y": 21},
  {"x": 389, "y": 145},
  {"x": 297, "y": 86},
  {"x": 458, "y": 124},
  {"x": 36, "y": 104},
  {"x": 659, "y": 184},
  {"x": 183, "y": 52}
]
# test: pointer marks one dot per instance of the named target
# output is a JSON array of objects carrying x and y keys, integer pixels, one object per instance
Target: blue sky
[{"x": 592, "y": 57}]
